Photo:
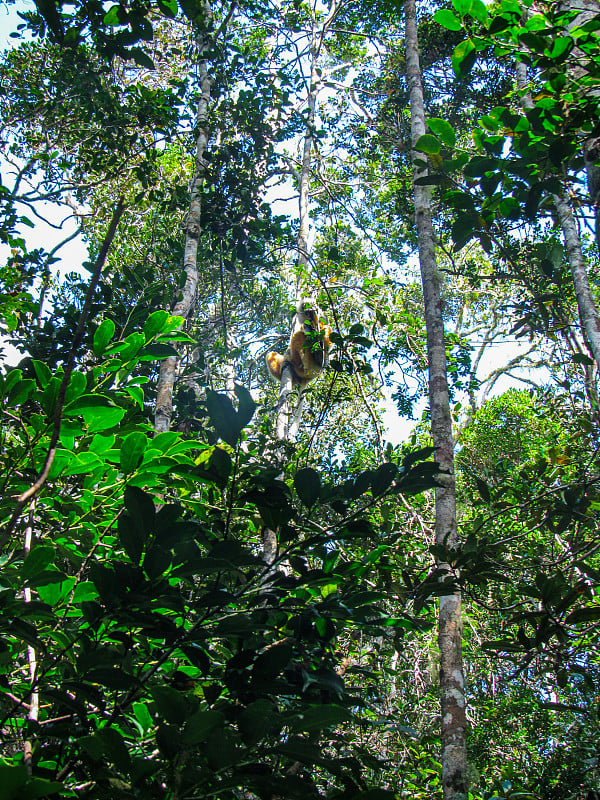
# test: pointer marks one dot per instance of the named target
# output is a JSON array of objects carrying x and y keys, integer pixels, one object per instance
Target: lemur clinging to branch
[{"x": 308, "y": 350}]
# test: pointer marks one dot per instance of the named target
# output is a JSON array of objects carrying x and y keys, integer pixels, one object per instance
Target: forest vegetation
[{"x": 369, "y": 570}]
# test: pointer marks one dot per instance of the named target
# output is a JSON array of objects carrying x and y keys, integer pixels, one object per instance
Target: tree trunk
[
  {"x": 578, "y": 69},
  {"x": 184, "y": 304},
  {"x": 588, "y": 311},
  {"x": 288, "y": 415},
  {"x": 453, "y": 720}
]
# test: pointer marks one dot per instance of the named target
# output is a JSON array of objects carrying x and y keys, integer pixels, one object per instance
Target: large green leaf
[
  {"x": 132, "y": 451},
  {"x": 201, "y": 725},
  {"x": 307, "y": 483},
  {"x": 447, "y": 19},
  {"x": 103, "y": 335},
  {"x": 443, "y": 130},
  {"x": 463, "y": 58},
  {"x": 140, "y": 506},
  {"x": 427, "y": 143},
  {"x": 171, "y": 704},
  {"x": 224, "y": 417},
  {"x": 37, "y": 561}
]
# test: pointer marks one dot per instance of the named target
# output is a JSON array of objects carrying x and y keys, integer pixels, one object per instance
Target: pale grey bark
[
  {"x": 453, "y": 719},
  {"x": 185, "y": 303},
  {"x": 588, "y": 311},
  {"x": 288, "y": 414},
  {"x": 284, "y": 412},
  {"x": 586, "y": 10},
  {"x": 34, "y": 698}
]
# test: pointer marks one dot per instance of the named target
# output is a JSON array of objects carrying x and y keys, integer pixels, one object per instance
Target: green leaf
[
  {"x": 141, "y": 58},
  {"x": 463, "y": 58},
  {"x": 157, "y": 351},
  {"x": 443, "y": 130},
  {"x": 156, "y": 562},
  {"x": 103, "y": 335},
  {"x": 164, "y": 441},
  {"x": 382, "y": 477},
  {"x": 447, "y": 19},
  {"x": 15, "y": 784},
  {"x": 223, "y": 416},
  {"x": 320, "y": 717},
  {"x": 172, "y": 705},
  {"x": 109, "y": 744},
  {"x": 246, "y": 406},
  {"x": 52, "y": 593},
  {"x": 102, "y": 418},
  {"x": 462, "y": 7},
  {"x": 431, "y": 180},
  {"x": 132, "y": 537},
  {"x": 168, "y": 8},
  {"x": 200, "y": 726},
  {"x": 105, "y": 580},
  {"x": 325, "y": 679},
  {"x": 140, "y": 506},
  {"x": 137, "y": 394},
  {"x": 258, "y": 720},
  {"x": 582, "y": 358},
  {"x": 132, "y": 451},
  {"x": 478, "y": 11},
  {"x": 98, "y": 411},
  {"x": 40, "y": 557},
  {"x": 42, "y": 373},
  {"x": 82, "y": 464},
  {"x": 428, "y": 144},
  {"x": 77, "y": 386},
  {"x": 48, "y": 398},
  {"x": 20, "y": 392},
  {"x": 307, "y": 483},
  {"x": 269, "y": 664},
  {"x": 141, "y": 713},
  {"x": 61, "y": 459},
  {"x": 12, "y": 377},
  {"x": 85, "y": 591},
  {"x": 221, "y": 750},
  {"x": 589, "y": 614},
  {"x": 483, "y": 490},
  {"x": 499, "y": 23},
  {"x": 112, "y": 16},
  {"x": 156, "y": 323},
  {"x": 561, "y": 47}
]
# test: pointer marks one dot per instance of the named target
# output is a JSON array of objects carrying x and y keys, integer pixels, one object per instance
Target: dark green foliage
[{"x": 166, "y": 650}]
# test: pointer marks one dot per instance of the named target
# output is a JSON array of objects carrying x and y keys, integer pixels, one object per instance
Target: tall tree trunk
[
  {"x": 578, "y": 69},
  {"x": 184, "y": 304},
  {"x": 579, "y": 64},
  {"x": 288, "y": 415},
  {"x": 586, "y": 306},
  {"x": 453, "y": 720}
]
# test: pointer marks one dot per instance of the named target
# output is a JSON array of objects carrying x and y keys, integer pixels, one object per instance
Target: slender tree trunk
[
  {"x": 588, "y": 311},
  {"x": 185, "y": 304},
  {"x": 34, "y": 698},
  {"x": 453, "y": 720},
  {"x": 578, "y": 70},
  {"x": 288, "y": 415},
  {"x": 579, "y": 63}
]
